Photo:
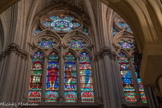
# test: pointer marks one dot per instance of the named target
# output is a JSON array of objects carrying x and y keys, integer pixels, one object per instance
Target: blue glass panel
[{"x": 62, "y": 23}]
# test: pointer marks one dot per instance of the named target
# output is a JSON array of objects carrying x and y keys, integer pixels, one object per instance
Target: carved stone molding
[
  {"x": 105, "y": 51},
  {"x": 13, "y": 48},
  {"x": 113, "y": 55},
  {"x": 97, "y": 56}
]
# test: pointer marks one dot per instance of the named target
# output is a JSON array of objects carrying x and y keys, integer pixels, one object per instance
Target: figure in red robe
[{"x": 53, "y": 71}]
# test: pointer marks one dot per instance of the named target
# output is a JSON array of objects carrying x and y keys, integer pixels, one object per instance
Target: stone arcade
[{"x": 80, "y": 53}]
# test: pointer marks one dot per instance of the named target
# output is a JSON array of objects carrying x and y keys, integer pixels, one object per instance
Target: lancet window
[
  {"x": 124, "y": 43},
  {"x": 61, "y": 64}
]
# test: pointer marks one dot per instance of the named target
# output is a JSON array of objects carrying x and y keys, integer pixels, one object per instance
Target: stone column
[
  {"x": 61, "y": 76},
  {"x": 11, "y": 71},
  {"x": 16, "y": 78},
  {"x": 9, "y": 77},
  {"x": 2, "y": 70},
  {"x": 109, "y": 78},
  {"x": 103, "y": 88},
  {"x": 78, "y": 80},
  {"x": 135, "y": 83},
  {"x": 118, "y": 82},
  {"x": 44, "y": 76},
  {"x": 96, "y": 82},
  {"x": 20, "y": 83},
  {"x": 151, "y": 98},
  {"x": 26, "y": 77}
]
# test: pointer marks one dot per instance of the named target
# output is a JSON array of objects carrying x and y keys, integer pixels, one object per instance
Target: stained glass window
[
  {"x": 128, "y": 88},
  {"x": 37, "y": 30},
  {"x": 52, "y": 90},
  {"x": 52, "y": 85},
  {"x": 44, "y": 44},
  {"x": 126, "y": 44},
  {"x": 76, "y": 44},
  {"x": 85, "y": 30},
  {"x": 36, "y": 78},
  {"x": 139, "y": 82},
  {"x": 70, "y": 86},
  {"x": 86, "y": 80},
  {"x": 124, "y": 25},
  {"x": 64, "y": 24},
  {"x": 114, "y": 31},
  {"x": 141, "y": 89}
]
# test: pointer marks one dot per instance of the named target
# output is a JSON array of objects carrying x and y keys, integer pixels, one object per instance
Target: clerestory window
[
  {"x": 124, "y": 43},
  {"x": 61, "y": 61}
]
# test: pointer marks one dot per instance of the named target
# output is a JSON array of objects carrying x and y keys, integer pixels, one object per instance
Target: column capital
[
  {"x": 13, "y": 47},
  {"x": 105, "y": 51}
]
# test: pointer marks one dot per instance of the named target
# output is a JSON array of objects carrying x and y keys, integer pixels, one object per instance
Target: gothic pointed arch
[
  {"x": 77, "y": 40},
  {"x": 64, "y": 39},
  {"x": 52, "y": 79},
  {"x": 35, "y": 88},
  {"x": 124, "y": 44},
  {"x": 86, "y": 77}
]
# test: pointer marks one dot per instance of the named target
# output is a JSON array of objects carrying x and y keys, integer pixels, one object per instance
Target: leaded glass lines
[
  {"x": 35, "y": 87},
  {"x": 139, "y": 82},
  {"x": 125, "y": 44},
  {"x": 44, "y": 44},
  {"x": 61, "y": 24},
  {"x": 86, "y": 81},
  {"x": 128, "y": 45},
  {"x": 52, "y": 85},
  {"x": 128, "y": 86},
  {"x": 76, "y": 44},
  {"x": 70, "y": 86},
  {"x": 62, "y": 73}
]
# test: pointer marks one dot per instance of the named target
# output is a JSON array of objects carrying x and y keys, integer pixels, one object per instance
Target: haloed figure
[
  {"x": 70, "y": 76},
  {"x": 53, "y": 71},
  {"x": 87, "y": 74}
]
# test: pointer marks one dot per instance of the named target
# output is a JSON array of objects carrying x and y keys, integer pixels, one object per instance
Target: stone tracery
[
  {"x": 69, "y": 37},
  {"x": 100, "y": 43},
  {"x": 124, "y": 43}
]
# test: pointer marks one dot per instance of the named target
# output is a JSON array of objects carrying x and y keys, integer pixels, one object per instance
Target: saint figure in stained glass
[
  {"x": 69, "y": 72},
  {"x": 87, "y": 94},
  {"x": 70, "y": 78},
  {"x": 52, "y": 78},
  {"x": 36, "y": 77},
  {"x": 127, "y": 82}
]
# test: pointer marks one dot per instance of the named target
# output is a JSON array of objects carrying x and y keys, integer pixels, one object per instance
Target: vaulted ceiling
[{"x": 76, "y": 4}]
